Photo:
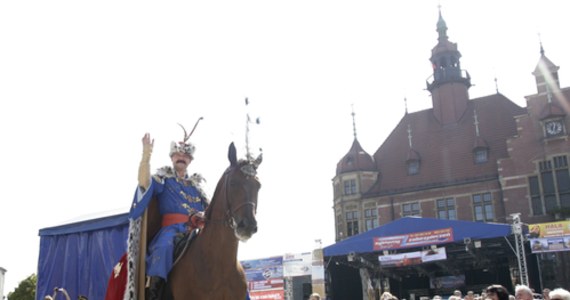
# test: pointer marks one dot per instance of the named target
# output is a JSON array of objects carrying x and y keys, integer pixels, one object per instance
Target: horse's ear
[{"x": 232, "y": 156}]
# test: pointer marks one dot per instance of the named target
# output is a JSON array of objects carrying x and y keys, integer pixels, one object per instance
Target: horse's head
[{"x": 242, "y": 186}]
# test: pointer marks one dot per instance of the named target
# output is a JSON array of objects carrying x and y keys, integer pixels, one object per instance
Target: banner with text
[
  {"x": 267, "y": 295},
  {"x": 264, "y": 277},
  {"x": 553, "y": 229},
  {"x": 447, "y": 282},
  {"x": 549, "y": 237},
  {"x": 416, "y": 239},
  {"x": 297, "y": 264},
  {"x": 412, "y": 258},
  {"x": 550, "y": 244}
]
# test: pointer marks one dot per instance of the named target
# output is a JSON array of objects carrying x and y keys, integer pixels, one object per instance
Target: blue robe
[{"x": 174, "y": 195}]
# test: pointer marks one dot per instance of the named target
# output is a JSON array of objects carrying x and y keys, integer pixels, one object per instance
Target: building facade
[{"x": 467, "y": 159}]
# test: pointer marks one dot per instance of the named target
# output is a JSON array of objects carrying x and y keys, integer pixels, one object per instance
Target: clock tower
[
  {"x": 552, "y": 115},
  {"x": 449, "y": 84}
]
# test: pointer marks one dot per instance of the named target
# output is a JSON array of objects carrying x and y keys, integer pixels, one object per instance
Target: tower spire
[
  {"x": 476, "y": 122},
  {"x": 410, "y": 136},
  {"x": 541, "y": 48},
  {"x": 353, "y": 121},
  {"x": 406, "y": 104},
  {"x": 441, "y": 27}
]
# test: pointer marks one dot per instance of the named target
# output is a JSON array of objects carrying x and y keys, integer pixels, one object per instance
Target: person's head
[
  {"x": 535, "y": 231},
  {"x": 182, "y": 153},
  {"x": 523, "y": 292},
  {"x": 457, "y": 293},
  {"x": 497, "y": 292},
  {"x": 437, "y": 297},
  {"x": 315, "y": 296},
  {"x": 180, "y": 160},
  {"x": 545, "y": 294},
  {"x": 559, "y": 294}
]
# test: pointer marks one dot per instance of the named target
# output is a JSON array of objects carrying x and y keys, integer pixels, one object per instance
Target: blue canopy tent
[
  {"x": 364, "y": 242},
  {"x": 80, "y": 256}
]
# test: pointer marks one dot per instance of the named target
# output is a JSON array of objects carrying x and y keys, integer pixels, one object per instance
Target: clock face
[{"x": 553, "y": 128}]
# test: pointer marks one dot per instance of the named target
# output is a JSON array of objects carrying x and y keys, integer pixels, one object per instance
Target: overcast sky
[{"x": 82, "y": 81}]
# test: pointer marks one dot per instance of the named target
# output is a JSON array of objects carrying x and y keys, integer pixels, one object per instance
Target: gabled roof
[
  {"x": 364, "y": 242},
  {"x": 446, "y": 150},
  {"x": 544, "y": 64},
  {"x": 355, "y": 160}
]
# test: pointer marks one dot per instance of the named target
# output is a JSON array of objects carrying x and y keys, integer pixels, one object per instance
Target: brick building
[{"x": 467, "y": 159}]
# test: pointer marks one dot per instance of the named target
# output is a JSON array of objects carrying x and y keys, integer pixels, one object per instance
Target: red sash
[{"x": 169, "y": 219}]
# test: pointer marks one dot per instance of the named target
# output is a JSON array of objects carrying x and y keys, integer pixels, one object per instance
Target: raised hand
[
  {"x": 148, "y": 144},
  {"x": 144, "y": 167}
]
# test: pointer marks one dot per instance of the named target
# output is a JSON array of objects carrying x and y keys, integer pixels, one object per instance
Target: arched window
[{"x": 480, "y": 155}]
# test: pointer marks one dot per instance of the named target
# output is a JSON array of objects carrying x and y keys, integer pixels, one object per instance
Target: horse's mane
[{"x": 217, "y": 191}]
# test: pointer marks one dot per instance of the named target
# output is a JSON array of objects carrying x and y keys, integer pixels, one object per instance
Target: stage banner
[
  {"x": 434, "y": 255},
  {"x": 447, "y": 282},
  {"x": 401, "y": 259},
  {"x": 553, "y": 229},
  {"x": 264, "y": 277},
  {"x": 416, "y": 239},
  {"x": 549, "y": 237},
  {"x": 297, "y": 264},
  {"x": 550, "y": 244},
  {"x": 412, "y": 258}
]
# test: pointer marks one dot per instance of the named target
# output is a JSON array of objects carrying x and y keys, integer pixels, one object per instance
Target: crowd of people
[{"x": 499, "y": 292}]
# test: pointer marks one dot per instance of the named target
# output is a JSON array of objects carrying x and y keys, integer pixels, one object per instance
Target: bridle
[{"x": 231, "y": 211}]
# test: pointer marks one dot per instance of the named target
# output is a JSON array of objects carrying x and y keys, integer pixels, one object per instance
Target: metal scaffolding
[{"x": 519, "y": 241}]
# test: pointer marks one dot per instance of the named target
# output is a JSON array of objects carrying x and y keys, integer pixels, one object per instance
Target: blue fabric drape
[{"x": 80, "y": 256}]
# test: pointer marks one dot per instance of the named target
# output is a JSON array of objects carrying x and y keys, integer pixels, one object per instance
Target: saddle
[{"x": 182, "y": 242}]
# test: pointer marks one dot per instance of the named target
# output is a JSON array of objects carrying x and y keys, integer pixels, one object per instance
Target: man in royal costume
[{"x": 165, "y": 206}]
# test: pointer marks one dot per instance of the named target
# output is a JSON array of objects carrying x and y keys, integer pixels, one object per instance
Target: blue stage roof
[{"x": 364, "y": 242}]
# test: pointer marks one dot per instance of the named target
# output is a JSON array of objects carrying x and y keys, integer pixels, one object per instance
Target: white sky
[{"x": 82, "y": 81}]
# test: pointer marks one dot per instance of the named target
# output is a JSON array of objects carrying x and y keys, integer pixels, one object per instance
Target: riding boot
[{"x": 155, "y": 289}]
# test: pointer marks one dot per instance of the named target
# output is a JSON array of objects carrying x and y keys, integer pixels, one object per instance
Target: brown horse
[{"x": 210, "y": 269}]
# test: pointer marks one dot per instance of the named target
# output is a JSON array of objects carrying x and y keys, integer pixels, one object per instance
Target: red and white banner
[{"x": 412, "y": 258}]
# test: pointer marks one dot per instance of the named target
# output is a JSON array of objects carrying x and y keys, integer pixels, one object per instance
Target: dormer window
[
  {"x": 480, "y": 155},
  {"x": 349, "y": 160},
  {"x": 413, "y": 166}
]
